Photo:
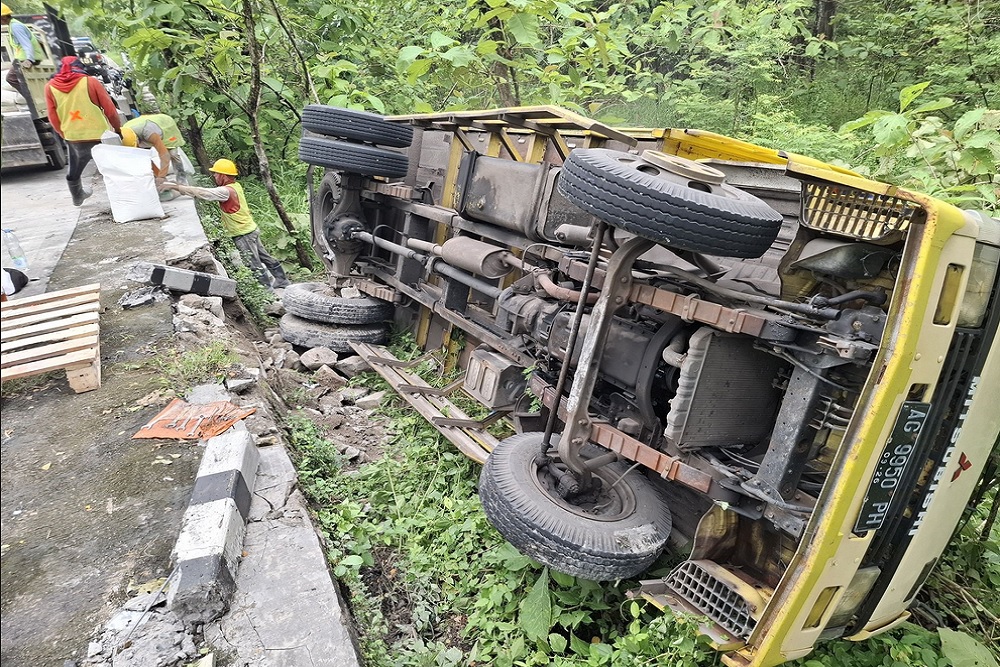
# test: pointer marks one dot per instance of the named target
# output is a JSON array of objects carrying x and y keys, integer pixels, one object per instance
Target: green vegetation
[
  {"x": 905, "y": 91},
  {"x": 180, "y": 371},
  {"x": 432, "y": 583}
]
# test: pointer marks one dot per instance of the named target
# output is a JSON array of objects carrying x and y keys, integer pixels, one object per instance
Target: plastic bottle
[{"x": 17, "y": 256}]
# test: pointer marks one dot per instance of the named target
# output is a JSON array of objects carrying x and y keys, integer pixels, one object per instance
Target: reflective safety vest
[
  {"x": 240, "y": 221},
  {"x": 17, "y": 51},
  {"x": 169, "y": 131},
  {"x": 80, "y": 118}
]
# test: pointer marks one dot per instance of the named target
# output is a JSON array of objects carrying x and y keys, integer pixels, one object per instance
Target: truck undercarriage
[{"x": 756, "y": 359}]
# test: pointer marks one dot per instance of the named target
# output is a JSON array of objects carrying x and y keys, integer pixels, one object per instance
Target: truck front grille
[
  {"x": 711, "y": 596},
  {"x": 852, "y": 212}
]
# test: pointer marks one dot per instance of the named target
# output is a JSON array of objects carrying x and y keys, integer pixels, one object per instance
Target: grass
[{"x": 180, "y": 371}]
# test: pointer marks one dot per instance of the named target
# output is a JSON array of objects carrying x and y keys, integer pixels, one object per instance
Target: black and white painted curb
[
  {"x": 210, "y": 543},
  {"x": 183, "y": 280}
]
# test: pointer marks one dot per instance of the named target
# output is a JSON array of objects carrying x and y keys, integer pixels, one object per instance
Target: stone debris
[
  {"x": 331, "y": 404},
  {"x": 352, "y": 366},
  {"x": 315, "y": 357},
  {"x": 275, "y": 308},
  {"x": 212, "y": 304},
  {"x": 350, "y": 395},
  {"x": 350, "y": 292},
  {"x": 141, "y": 297},
  {"x": 328, "y": 377},
  {"x": 371, "y": 401}
]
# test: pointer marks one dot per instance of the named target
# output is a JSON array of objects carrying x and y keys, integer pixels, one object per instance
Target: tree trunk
[
  {"x": 826, "y": 10},
  {"x": 253, "y": 109},
  {"x": 198, "y": 144}
]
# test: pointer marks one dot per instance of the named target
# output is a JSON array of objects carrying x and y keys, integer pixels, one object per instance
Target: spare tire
[
  {"x": 305, "y": 333},
  {"x": 355, "y": 126},
  {"x": 618, "y": 536},
  {"x": 352, "y": 158},
  {"x": 320, "y": 302},
  {"x": 679, "y": 211}
]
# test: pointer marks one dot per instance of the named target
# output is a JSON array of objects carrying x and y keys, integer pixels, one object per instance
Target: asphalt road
[{"x": 86, "y": 512}]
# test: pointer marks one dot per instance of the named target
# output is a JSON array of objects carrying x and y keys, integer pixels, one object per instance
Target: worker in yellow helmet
[
  {"x": 25, "y": 50},
  {"x": 237, "y": 221},
  {"x": 159, "y": 131}
]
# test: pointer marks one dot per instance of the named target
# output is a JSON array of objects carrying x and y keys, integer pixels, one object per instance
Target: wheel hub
[{"x": 603, "y": 500}]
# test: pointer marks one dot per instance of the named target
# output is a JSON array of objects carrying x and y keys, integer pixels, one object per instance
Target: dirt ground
[{"x": 86, "y": 511}]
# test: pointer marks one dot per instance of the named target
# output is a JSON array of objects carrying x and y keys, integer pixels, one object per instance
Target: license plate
[{"x": 892, "y": 465}]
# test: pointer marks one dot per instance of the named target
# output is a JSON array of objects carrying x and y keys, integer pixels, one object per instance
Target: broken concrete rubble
[
  {"x": 352, "y": 366},
  {"x": 351, "y": 394},
  {"x": 371, "y": 401},
  {"x": 316, "y": 357},
  {"x": 141, "y": 297},
  {"x": 328, "y": 377}
]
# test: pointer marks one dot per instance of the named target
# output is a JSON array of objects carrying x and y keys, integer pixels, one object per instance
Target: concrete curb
[
  {"x": 210, "y": 543},
  {"x": 183, "y": 280}
]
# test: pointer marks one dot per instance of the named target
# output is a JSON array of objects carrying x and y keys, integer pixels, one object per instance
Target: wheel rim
[
  {"x": 683, "y": 167},
  {"x": 614, "y": 502}
]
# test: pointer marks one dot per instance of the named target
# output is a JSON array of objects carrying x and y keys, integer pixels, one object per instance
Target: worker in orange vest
[
  {"x": 237, "y": 221},
  {"x": 80, "y": 111}
]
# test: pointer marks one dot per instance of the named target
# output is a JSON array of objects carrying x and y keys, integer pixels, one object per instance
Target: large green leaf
[
  {"x": 864, "y": 121},
  {"x": 536, "y": 609},
  {"x": 963, "y": 650},
  {"x": 967, "y": 122},
  {"x": 910, "y": 93},
  {"x": 524, "y": 28}
]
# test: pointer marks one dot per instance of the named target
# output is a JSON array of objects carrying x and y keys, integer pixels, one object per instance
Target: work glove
[{"x": 26, "y": 64}]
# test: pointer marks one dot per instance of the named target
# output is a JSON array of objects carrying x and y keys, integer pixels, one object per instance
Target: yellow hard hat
[
  {"x": 5, "y": 10},
  {"x": 129, "y": 138},
  {"x": 224, "y": 166}
]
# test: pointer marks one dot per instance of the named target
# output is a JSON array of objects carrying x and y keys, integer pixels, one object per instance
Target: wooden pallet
[{"x": 53, "y": 331}]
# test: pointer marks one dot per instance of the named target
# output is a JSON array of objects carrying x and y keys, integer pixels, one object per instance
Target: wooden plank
[
  {"x": 48, "y": 306},
  {"x": 53, "y": 350},
  {"x": 14, "y": 332},
  {"x": 79, "y": 358},
  {"x": 476, "y": 443},
  {"x": 16, "y": 323},
  {"x": 15, "y": 304},
  {"x": 51, "y": 337}
]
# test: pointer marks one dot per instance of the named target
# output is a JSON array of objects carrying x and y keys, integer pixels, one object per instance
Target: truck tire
[
  {"x": 56, "y": 152},
  {"x": 320, "y": 302},
  {"x": 355, "y": 126},
  {"x": 631, "y": 194},
  {"x": 352, "y": 158},
  {"x": 618, "y": 542},
  {"x": 305, "y": 333}
]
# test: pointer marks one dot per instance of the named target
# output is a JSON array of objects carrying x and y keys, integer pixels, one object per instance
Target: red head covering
[{"x": 70, "y": 72}]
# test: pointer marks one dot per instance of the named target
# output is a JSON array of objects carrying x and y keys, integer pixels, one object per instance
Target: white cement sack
[{"x": 129, "y": 181}]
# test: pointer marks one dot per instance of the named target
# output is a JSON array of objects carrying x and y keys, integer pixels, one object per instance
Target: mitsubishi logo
[{"x": 963, "y": 464}]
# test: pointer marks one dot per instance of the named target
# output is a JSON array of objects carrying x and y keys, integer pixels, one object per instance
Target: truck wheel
[
  {"x": 353, "y": 158},
  {"x": 305, "y": 333},
  {"x": 615, "y": 536},
  {"x": 320, "y": 302},
  {"x": 56, "y": 154},
  {"x": 676, "y": 206},
  {"x": 355, "y": 126}
]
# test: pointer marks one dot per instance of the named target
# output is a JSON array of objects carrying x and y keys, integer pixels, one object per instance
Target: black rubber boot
[
  {"x": 79, "y": 193},
  {"x": 280, "y": 279}
]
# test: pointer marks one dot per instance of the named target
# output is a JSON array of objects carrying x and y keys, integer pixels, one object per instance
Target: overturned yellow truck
[{"x": 779, "y": 369}]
